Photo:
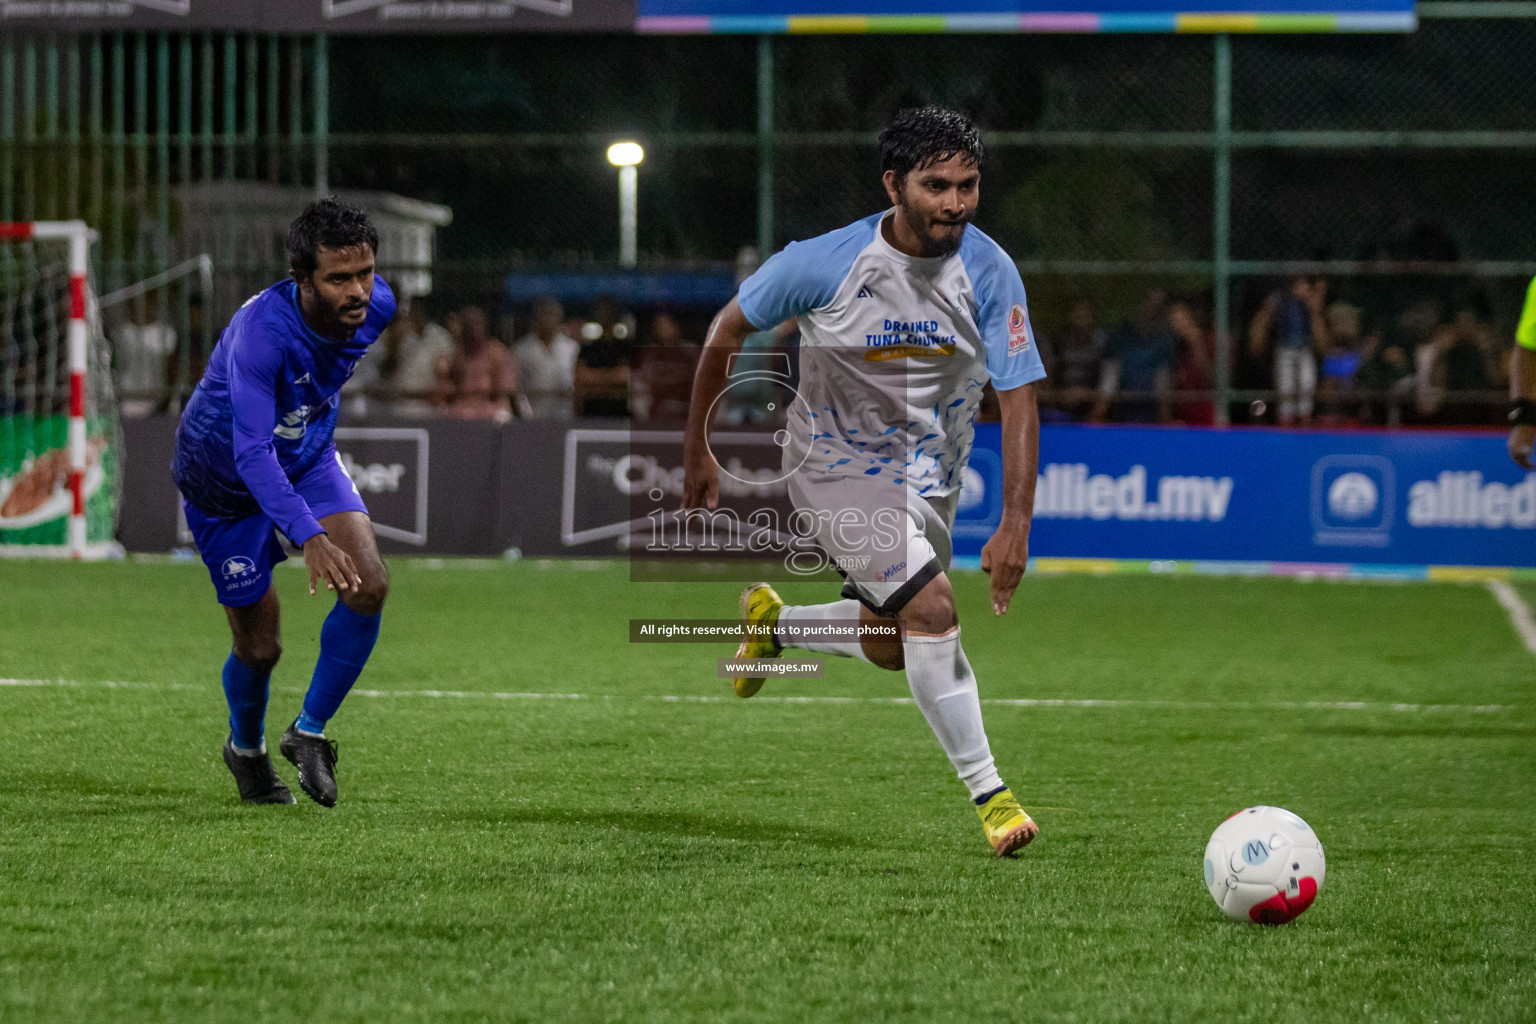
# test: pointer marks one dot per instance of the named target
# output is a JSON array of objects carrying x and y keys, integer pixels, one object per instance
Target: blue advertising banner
[
  {"x": 1304, "y": 498},
  {"x": 856, "y": 16}
]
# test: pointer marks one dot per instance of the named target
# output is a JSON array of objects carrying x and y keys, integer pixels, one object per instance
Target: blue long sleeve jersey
[{"x": 265, "y": 411}]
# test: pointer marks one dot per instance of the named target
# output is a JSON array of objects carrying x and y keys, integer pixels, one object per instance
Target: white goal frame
[{"x": 79, "y": 237}]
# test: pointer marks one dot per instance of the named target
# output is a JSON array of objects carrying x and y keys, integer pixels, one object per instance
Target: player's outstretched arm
[
  {"x": 1005, "y": 555},
  {"x": 701, "y": 475}
]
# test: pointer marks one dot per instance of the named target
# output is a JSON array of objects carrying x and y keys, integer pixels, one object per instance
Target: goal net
[{"x": 59, "y": 440}]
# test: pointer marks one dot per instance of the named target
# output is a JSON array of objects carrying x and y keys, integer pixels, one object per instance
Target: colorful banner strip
[
  {"x": 1302, "y": 570},
  {"x": 933, "y": 24}
]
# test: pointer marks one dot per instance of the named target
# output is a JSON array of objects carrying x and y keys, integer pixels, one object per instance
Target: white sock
[
  {"x": 945, "y": 689},
  {"x": 245, "y": 752},
  {"x": 844, "y": 611}
]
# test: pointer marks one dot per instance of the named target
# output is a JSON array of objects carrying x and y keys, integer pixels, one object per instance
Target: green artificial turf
[{"x": 622, "y": 857}]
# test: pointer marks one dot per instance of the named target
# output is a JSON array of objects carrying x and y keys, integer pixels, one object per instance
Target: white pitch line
[
  {"x": 701, "y": 698},
  {"x": 1519, "y": 611},
  {"x": 470, "y": 693},
  {"x": 110, "y": 684}
]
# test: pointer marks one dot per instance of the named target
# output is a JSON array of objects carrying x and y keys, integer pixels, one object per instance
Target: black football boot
[
  {"x": 258, "y": 783},
  {"x": 315, "y": 758}
]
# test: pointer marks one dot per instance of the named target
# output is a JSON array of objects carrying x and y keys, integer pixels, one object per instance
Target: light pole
[{"x": 626, "y": 156}]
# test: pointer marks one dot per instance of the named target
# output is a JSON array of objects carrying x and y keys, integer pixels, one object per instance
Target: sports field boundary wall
[{"x": 1377, "y": 504}]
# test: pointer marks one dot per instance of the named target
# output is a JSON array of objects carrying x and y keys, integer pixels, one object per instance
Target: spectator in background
[
  {"x": 478, "y": 380},
  {"x": 601, "y": 382},
  {"x": 1073, "y": 362},
  {"x": 1457, "y": 367},
  {"x": 546, "y": 362},
  {"x": 575, "y": 327},
  {"x": 141, "y": 354},
  {"x": 1138, "y": 361},
  {"x": 1193, "y": 366},
  {"x": 666, "y": 332},
  {"x": 1341, "y": 364},
  {"x": 1290, "y": 324},
  {"x": 1387, "y": 373},
  {"x": 414, "y": 348},
  {"x": 664, "y": 372}
]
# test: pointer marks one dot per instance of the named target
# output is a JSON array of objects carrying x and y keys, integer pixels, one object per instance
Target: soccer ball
[{"x": 1264, "y": 864}]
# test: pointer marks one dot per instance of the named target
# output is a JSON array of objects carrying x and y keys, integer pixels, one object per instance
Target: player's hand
[
  {"x": 1003, "y": 559},
  {"x": 701, "y": 481},
  {"x": 328, "y": 562},
  {"x": 1522, "y": 440}
]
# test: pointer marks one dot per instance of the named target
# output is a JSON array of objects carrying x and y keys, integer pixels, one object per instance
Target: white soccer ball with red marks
[{"x": 1264, "y": 865}]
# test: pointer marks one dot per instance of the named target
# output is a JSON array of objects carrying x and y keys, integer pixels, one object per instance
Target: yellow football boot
[
  {"x": 760, "y": 606},
  {"x": 1008, "y": 828}
]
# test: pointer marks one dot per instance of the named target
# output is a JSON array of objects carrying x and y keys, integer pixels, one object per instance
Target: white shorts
[{"x": 885, "y": 540}]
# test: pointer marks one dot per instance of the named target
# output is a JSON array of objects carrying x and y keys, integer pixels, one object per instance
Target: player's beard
[
  {"x": 340, "y": 325},
  {"x": 945, "y": 243}
]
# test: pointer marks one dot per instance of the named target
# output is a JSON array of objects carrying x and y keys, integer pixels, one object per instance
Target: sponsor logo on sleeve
[{"x": 1018, "y": 329}]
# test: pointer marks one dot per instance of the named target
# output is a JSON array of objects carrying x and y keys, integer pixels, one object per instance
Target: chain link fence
[
  {"x": 1393, "y": 169},
  {"x": 1387, "y": 167}
]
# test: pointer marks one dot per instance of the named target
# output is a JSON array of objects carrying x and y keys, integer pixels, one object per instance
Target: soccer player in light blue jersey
[
  {"x": 255, "y": 457},
  {"x": 904, "y": 316}
]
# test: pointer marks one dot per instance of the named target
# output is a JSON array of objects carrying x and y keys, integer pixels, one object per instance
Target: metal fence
[{"x": 1397, "y": 167}]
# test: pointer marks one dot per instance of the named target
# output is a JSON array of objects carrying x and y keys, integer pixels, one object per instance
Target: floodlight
[{"x": 625, "y": 154}]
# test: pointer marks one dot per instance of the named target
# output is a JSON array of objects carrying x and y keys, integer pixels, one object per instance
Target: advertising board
[{"x": 1406, "y": 499}]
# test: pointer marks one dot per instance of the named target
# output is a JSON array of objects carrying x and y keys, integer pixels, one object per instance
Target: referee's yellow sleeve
[{"x": 1525, "y": 334}]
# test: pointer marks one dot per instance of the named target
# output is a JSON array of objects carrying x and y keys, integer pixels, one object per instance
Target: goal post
[{"x": 58, "y": 417}]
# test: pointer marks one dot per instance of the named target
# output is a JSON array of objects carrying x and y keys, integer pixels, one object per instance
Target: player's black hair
[
  {"x": 330, "y": 224},
  {"x": 926, "y": 135}
]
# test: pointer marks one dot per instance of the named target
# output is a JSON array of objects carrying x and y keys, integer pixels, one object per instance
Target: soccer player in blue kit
[{"x": 254, "y": 454}]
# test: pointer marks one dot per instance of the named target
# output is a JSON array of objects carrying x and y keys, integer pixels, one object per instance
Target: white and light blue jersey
[{"x": 895, "y": 349}]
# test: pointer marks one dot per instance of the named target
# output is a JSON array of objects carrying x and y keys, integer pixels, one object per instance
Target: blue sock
[
  {"x": 346, "y": 640},
  {"x": 246, "y": 692}
]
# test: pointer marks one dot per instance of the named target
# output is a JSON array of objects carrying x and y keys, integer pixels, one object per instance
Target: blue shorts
[{"x": 240, "y": 553}]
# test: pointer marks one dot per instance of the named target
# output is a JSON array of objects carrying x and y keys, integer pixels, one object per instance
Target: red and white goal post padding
[{"x": 78, "y": 236}]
